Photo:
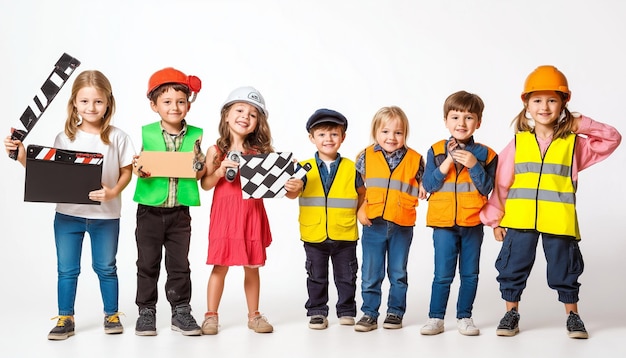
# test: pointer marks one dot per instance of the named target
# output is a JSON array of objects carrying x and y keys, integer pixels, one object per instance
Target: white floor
[{"x": 29, "y": 301}]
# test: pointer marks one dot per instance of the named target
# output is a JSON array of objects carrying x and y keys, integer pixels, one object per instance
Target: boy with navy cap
[{"x": 332, "y": 192}]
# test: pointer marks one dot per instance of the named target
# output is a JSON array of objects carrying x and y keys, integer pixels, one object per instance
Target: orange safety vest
[
  {"x": 457, "y": 202},
  {"x": 392, "y": 195}
]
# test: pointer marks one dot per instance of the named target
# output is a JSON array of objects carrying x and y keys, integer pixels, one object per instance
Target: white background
[{"x": 351, "y": 56}]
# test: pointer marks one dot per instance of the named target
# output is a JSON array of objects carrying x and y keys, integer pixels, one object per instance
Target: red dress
[{"x": 239, "y": 230}]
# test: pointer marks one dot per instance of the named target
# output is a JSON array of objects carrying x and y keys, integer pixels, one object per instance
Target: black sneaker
[
  {"x": 146, "y": 323},
  {"x": 509, "y": 324},
  {"x": 112, "y": 324},
  {"x": 318, "y": 321},
  {"x": 392, "y": 321},
  {"x": 63, "y": 330},
  {"x": 366, "y": 324},
  {"x": 576, "y": 327},
  {"x": 183, "y": 321}
]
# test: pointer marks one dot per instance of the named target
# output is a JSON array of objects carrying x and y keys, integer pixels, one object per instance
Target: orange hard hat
[
  {"x": 546, "y": 78},
  {"x": 172, "y": 75}
]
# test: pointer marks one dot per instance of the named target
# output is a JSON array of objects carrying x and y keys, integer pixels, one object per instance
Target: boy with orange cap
[{"x": 163, "y": 219}]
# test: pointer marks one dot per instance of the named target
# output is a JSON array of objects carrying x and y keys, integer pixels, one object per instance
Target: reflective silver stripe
[
  {"x": 557, "y": 169},
  {"x": 545, "y": 195},
  {"x": 332, "y": 202},
  {"x": 393, "y": 184},
  {"x": 458, "y": 188}
]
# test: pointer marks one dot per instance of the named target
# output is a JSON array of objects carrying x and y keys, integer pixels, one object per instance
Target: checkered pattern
[{"x": 265, "y": 175}]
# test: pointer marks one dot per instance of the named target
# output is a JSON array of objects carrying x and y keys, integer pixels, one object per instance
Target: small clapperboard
[
  {"x": 265, "y": 175},
  {"x": 61, "y": 176}
]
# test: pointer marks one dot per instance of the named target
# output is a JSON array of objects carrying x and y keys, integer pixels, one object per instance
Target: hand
[
  {"x": 294, "y": 185},
  {"x": 362, "y": 216},
  {"x": 499, "y": 233},
  {"x": 101, "y": 195},
  {"x": 138, "y": 170},
  {"x": 464, "y": 157},
  {"x": 421, "y": 192},
  {"x": 224, "y": 165},
  {"x": 15, "y": 144}
]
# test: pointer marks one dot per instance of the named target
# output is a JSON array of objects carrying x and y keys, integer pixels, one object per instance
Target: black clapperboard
[
  {"x": 263, "y": 176},
  {"x": 61, "y": 176}
]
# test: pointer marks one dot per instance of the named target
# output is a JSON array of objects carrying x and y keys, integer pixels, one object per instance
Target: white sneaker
[
  {"x": 466, "y": 327},
  {"x": 433, "y": 326}
]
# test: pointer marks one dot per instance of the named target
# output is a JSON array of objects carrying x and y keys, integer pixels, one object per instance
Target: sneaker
[
  {"x": 433, "y": 326},
  {"x": 576, "y": 327},
  {"x": 466, "y": 327},
  {"x": 210, "y": 324},
  {"x": 146, "y": 323},
  {"x": 366, "y": 324},
  {"x": 259, "y": 324},
  {"x": 392, "y": 321},
  {"x": 346, "y": 321},
  {"x": 509, "y": 324},
  {"x": 183, "y": 321},
  {"x": 112, "y": 324},
  {"x": 318, "y": 321},
  {"x": 64, "y": 328}
]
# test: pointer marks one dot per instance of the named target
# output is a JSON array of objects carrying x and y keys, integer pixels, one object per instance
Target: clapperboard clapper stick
[{"x": 58, "y": 77}]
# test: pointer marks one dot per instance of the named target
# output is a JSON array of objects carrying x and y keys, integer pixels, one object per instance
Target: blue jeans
[
  {"x": 345, "y": 267},
  {"x": 516, "y": 258},
  {"x": 69, "y": 232},
  {"x": 454, "y": 244},
  {"x": 385, "y": 242}
]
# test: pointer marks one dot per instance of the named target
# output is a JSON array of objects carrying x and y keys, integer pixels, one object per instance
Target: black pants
[{"x": 158, "y": 228}]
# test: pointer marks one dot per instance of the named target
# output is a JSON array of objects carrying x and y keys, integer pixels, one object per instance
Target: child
[
  {"x": 459, "y": 175},
  {"x": 239, "y": 231},
  {"x": 163, "y": 219},
  {"x": 393, "y": 174},
  {"x": 88, "y": 128},
  {"x": 535, "y": 194},
  {"x": 328, "y": 224}
]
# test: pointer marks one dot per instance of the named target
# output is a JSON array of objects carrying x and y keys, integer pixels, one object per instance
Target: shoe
[
  {"x": 210, "y": 324},
  {"x": 63, "y": 330},
  {"x": 259, "y": 324},
  {"x": 433, "y": 326},
  {"x": 509, "y": 324},
  {"x": 466, "y": 327},
  {"x": 183, "y": 321},
  {"x": 392, "y": 321},
  {"x": 576, "y": 327},
  {"x": 346, "y": 321},
  {"x": 146, "y": 323},
  {"x": 366, "y": 324},
  {"x": 112, "y": 324},
  {"x": 318, "y": 321}
]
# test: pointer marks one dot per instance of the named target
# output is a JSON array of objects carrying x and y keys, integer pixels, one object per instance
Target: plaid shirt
[{"x": 172, "y": 143}]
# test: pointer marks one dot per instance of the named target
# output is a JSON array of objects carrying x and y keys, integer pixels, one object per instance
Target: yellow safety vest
[
  {"x": 543, "y": 194},
  {"x": 392, "y": 195},
  {"x": 332, "y": 216},
  {"x": 457, "y": 202}
]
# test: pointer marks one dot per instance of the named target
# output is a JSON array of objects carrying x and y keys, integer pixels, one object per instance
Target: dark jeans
[
  {"x": 345, "y": 267},
  {"x": 158, "y": 228}
]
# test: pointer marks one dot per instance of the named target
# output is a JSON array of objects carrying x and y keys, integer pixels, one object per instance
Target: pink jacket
[{"x": 599, "y": 140}]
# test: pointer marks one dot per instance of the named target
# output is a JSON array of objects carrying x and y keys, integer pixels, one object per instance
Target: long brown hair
[
  {"x": 562, "y": 128},
  {"x": 97, "y": 80}
]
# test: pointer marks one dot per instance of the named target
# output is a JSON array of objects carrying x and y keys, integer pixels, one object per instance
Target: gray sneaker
[
  {"x": 392, "y": 321},
  {"x": 63, "y": 329},
  {"x": 112, "y": 324},
  {"x": 366, "y": 324},
  {"x": 183, "y": 321},
  {"x": 146, "y": 323},
  {"x": 576, "y": 327},
  {"x": 509, "y": 324}
]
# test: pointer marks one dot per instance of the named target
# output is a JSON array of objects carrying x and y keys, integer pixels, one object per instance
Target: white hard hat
[{"x": 249, "y": 95}]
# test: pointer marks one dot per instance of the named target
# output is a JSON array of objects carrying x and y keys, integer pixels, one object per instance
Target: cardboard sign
[
  {"x": 167, "y": 164},
  {"x": 61, "y": 176}
]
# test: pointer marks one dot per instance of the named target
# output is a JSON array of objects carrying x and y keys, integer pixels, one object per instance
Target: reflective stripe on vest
[
  {"x": 392, "y": 195},
  {"x": 458, "y": 201},
  {"x": 334, "y": 216},
  {"x": 543, "y": 194}
]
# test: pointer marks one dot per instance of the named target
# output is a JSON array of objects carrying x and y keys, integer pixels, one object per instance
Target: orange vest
[
  {"x": 457, "y": 202},
  {"x": 392, "y": 195}
]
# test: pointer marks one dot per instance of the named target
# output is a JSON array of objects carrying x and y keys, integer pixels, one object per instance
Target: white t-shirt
[{"x": 117, "y": 155}]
